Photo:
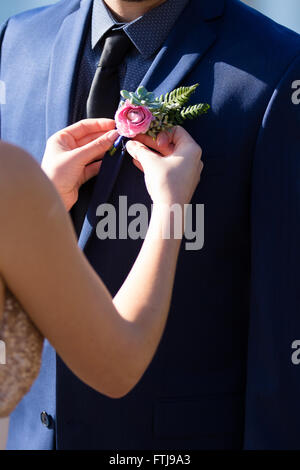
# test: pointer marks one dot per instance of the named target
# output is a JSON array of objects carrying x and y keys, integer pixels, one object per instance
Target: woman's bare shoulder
[
  {"x": 20, "y": 174},
  {"x": 13, "y": 158},
  {"x": 27, "y": 195}
]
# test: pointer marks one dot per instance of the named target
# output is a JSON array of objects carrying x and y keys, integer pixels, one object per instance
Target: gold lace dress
[{"x": 21, "y": 352}]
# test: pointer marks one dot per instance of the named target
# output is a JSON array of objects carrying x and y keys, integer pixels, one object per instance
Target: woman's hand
[
  {"x": 73, "y": 155},
  {"x": 173, "y": 178}
]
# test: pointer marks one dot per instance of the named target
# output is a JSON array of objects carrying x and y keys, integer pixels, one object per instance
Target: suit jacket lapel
[
  {"x": 185, "y": 46},
  {"x": 187, "y": 43},
  {"x": 103, "y": 187},
  {"x": 64, "y": 61}
]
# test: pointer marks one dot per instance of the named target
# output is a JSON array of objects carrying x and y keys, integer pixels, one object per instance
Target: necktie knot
[{"x": 116, "y": 46}]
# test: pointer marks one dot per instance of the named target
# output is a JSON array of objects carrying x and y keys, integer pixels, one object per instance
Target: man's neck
[{"x": 129, "y": 10}]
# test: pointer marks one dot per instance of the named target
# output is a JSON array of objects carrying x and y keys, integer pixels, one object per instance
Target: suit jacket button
[{"x": 46, "y": 419}]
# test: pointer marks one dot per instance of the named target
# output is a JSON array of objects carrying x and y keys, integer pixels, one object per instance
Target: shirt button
[{"x": 46, "y": 420}]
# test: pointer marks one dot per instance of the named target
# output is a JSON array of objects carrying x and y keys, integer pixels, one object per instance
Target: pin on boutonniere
[{"x": 143, "y": 113}]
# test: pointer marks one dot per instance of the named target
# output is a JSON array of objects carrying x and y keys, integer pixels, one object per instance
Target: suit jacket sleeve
[{"x": 273, "y": 382}]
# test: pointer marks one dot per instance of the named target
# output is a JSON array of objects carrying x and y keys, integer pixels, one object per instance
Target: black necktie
[
  {"x": 104, "y": 95},
  {"x": 103, "y": 101}
]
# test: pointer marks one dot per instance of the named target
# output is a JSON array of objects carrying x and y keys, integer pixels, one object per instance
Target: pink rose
[{"x": 132, "y": 120}]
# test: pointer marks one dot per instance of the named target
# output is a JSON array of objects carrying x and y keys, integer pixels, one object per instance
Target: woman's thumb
[{"x": 140, "y": 152}]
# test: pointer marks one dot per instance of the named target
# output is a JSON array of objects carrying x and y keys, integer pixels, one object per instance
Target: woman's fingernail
[
  {"x": 130, "y": 144},
  {"x": 162, "y": 139},
  {"x": 113, "y": 135},
  {"x": 131, "y": 147}
]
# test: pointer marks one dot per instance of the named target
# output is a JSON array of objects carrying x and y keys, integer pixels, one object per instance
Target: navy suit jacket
[{"x": 223, "y": 376}]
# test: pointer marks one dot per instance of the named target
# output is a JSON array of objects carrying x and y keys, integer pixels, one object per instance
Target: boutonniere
[{"x": 143, "y": 113}]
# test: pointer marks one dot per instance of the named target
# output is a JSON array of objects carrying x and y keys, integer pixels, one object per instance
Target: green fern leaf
[
  {"x": 179, "y": 97},
  {"x": 191, "y": 112}
]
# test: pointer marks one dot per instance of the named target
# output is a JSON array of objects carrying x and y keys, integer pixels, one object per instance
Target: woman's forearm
[
  {"x": 144, "y": 298},
  {"x": 107, "y": 343}
]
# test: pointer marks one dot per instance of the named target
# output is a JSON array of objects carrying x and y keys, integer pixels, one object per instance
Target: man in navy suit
[{"x": 223, "y": 376}]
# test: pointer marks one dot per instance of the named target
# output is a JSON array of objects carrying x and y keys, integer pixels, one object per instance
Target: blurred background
[{"x": 286, "y": 12}]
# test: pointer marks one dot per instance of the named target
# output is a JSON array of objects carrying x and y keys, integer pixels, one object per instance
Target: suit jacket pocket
[{"x": 196, "y": 416}]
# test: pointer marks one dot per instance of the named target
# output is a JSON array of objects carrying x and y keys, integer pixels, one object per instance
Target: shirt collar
[{"x": 147, "y": 33}]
